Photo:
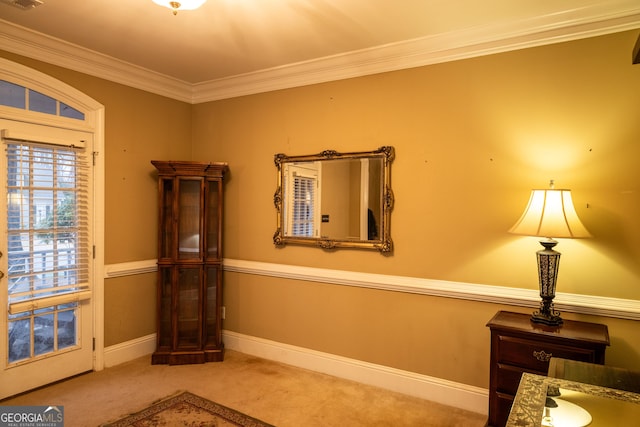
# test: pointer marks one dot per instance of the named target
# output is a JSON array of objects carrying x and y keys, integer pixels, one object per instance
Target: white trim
[
  {"x": 583, "y": 304},
  {"x": 130, "y": 268},
  {"x": 23, "y": 41},
  {"x": 63, "y": 141},
  {"x": 410, "y": 383},
  {"x": 98, "y": 236},
  {"x": 34, "y": 79},
  {"x": 419, "y": 52},
  {"x": 593, "y": 20},
  {"x": 450, "y": 393},
  {"x": 129, "y": 350}
]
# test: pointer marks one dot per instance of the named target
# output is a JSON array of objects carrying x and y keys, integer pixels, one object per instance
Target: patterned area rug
[{"x": 186, "y": 409}]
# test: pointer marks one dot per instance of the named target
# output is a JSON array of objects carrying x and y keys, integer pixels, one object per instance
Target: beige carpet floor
[{"x": 275, "y": 393}]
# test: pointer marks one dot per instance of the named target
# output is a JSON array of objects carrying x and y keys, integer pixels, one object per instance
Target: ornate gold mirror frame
[{"x": 335, "y": 200}]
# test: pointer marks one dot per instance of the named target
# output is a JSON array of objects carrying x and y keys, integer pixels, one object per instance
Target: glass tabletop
[{"x": 546, "y": 401}]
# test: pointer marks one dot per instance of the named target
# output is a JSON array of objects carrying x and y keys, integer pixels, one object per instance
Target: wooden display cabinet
[{"x": 189, "y": 290}]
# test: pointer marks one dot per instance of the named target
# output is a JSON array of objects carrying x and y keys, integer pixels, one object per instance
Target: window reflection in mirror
[
  {"x": 302, "y": 206},
  {"x": 335, "y": 199}
]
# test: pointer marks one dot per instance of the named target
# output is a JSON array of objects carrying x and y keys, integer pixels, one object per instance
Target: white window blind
[
  {"x": 48, "y": 223},
  {"x": 302, "y": 201},
  {"x": 303, "y": 214}
]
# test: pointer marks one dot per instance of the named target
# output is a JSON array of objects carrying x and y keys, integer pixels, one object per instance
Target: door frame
[{"x": 94, "y": 123}]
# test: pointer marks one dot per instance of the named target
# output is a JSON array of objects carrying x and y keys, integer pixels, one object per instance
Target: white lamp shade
[
  {"x": 183, "y": 4},
  {"x": 550, "y": 213}
]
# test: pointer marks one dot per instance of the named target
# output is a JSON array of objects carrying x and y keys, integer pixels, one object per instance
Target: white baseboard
[
  {"x": 462, "y": 396},
  {"x": 129, "y": 350},
  {"x": 449, "y": 393}
]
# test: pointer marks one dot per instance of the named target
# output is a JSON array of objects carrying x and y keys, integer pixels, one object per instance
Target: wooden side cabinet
[
  {"x": 518, "y": 346},
  {"x": 189, "y": 290}
]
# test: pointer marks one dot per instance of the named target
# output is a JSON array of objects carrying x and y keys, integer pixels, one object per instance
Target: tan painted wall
[{"x": 471, "y": 137}]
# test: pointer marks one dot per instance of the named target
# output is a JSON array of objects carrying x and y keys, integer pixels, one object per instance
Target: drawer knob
[{"x": 542, "y": 356}]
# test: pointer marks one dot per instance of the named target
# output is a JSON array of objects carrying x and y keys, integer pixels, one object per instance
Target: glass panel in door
[
  {"x": 189, "y": 218},
  {"x": 213, "y": 281},
  {"x": 189, "y": 310},
  {"x": 164, "y": 321},
  {"x": 166, "y": 218},
  {"x": 212, "y": 221}
]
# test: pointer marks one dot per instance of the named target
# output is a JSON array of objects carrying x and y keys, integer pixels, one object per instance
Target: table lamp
[{"x": 550, "y": 214}]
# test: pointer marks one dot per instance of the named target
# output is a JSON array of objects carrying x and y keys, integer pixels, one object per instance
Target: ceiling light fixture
[
  {"x": 23, "y": 4},
  {"x": 175, "y": 6}
]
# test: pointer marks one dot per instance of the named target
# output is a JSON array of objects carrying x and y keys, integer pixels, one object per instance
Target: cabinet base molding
[{"x": 187, "y": 357}]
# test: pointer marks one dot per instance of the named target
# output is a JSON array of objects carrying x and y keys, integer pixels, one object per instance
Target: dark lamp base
[{"x": 546, "y": 319}]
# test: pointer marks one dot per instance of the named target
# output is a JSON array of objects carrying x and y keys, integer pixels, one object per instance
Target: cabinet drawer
[
  {"x": 535, "y": 355},
  {"x": 509, "y": 378},
  {"x": 504, "y": 403}
]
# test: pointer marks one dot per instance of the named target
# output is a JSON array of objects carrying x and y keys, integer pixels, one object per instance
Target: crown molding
[
  {"x": 39, "y": 46},
  {"x": 594, "y": 20},
  {"x": 423, "y": 51}
]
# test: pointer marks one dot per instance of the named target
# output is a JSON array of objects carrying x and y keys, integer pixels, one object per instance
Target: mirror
[{"x": 335, "y": 200}]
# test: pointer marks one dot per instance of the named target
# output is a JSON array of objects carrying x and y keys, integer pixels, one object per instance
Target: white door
[{"x": 46, "y": 220}]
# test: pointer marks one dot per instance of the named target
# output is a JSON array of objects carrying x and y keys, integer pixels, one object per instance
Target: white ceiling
[{"x": 270, "y": 44}]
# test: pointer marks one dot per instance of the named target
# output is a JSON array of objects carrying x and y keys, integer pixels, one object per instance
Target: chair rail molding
[
  {"x": 574, "y": 303},
  {"x": 582, "y": 304},
  {"x": 130, "y": 268}
]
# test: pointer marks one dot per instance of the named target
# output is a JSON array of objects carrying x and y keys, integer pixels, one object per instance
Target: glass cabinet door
[
  {"x": 212, "y": 220},
  {"x": 164, "y": 302},
  {"x": 213, "y": 280},
  {"x": 189, "y": 310},
  {"x": 166, "y": 218},
  {"x": 189, "y": 207}
]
